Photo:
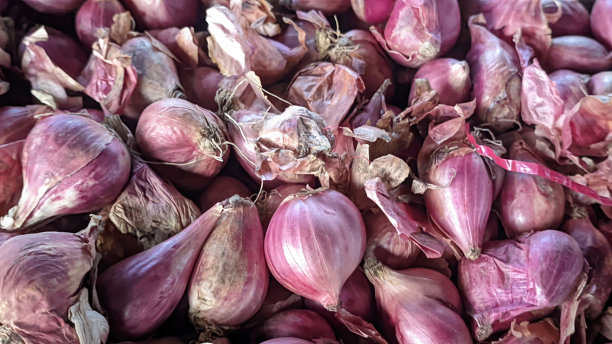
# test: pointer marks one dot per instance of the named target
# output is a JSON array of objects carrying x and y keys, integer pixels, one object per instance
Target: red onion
[
  {"x": 161, "y": 14},
  {"x": 519, "y": 280},
  {"x": 51, "y": 61},
  {"x": 418, "y": 31},
  {"x": 495, "y": 72},
  {"x": 109, "y": 77},
  {"x": 296, "y": 323},
  {"x": 230, "y": 278},
  {"x": 449, "y": 77},
  {"x": 201, "y": 86},
  {"x": 417, "y": 305},
  {"x": 220, "y": 189},
  {"x": 11, "y": 181},
  {"x": 153, "y": 281},
  {"x": 186, "y": 139},
  {"x": 600, "y": 21},
  {"x": 17, "y": 121},
  {"x": 93, "y": 16},
  {"x": 327, "y": 89},
  {"x": 598, "y": 253},
  {"x": 183, "y": 44},
  {"x": 291, "y": 340},
  {"x": 529, "y": 202},
  {"x": 62, "y": 156},
  {"x": 586, "y": 130},
  {"x": 525, "y": 16},
  {"x": 386, "y": 245},
  {"x": 328, "y": 7},
  {"x": 456, "y": 205},
  {"x": 579, "y": 53},
  {"x": 41, "y": 282},
  {"x": 270, "y": 203},
  {"x": 572, "y": 86},
  {"x": 113, "y": 245},
  {"x": 372, "y": 12},
  {"x": 574, "y": 19},
  {"x": 277, "y": 300},
  {"x": 150, "y": 208},
  {"x": 600, "y": 83},
  {"x": 314, "y": 257},
  {"x": 356, "y": 297},
  {"x": 54, "y": 6},
  {"x": 157, "y": 75}
]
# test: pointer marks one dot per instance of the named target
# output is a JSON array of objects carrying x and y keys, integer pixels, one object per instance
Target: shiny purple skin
[
  {"x": 71, "y": 164},
  {"x": 600, "y": 83},
  {"x": 572, "y": 86},
  {"x": 296, "y": 323},
  {"x": 314, "y": 242},
  {"x": 328, "y": 7},
  {"x": 94, "y": 15},
  {"x": 578, "y": 53},
  {"x": 417, "y": 305},
  {"x": 356, "y": 296},
  {"x": 162, "y": 14},
  {"x": 459, "y": 206},
  {"x": 230, "y": 279},
  {"x": 447, "y": 76},
  {"x": 386, "y": 245},
  {"x": 40, "y": 278},
  {"x": 598, "y": 253},
  {"x": 372, "y": 11},
  {"x": 152, "y": 282},
  {"x": 17, "y": 121},
  {"x": 185, "y": 135},
  {"x": 519, "y": 279},
  {"x": 54, "y": 6},
  {"x": 600, "y": 21},
  {"x": 220, "y": 189},
  {"x": 574, "y": 18},
  {"x": 495, "y": 72},
  {"x": 528, "y": 202}
]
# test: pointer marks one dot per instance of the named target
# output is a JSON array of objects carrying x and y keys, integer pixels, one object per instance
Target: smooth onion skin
[
  {"x": 220, "y": 189},
  {"x": 372, "y": 11},
  {"x": 54, "y": 6},
  {"x": 447, "y": 76},
  {"x": 297, "y": 323},
  {"x": 574, "y": 18},
  {"x": 378, "y": 67},
  {"x": 314, "y": 243},
  {"x": 600, "y": 83},
  {"x": 579, "y": 53},
  {"x": 529, "y": 202},
  {"x": 572, "y": 86},
  {"x": 600, "y": 21},
  {"x": 94, "y": 15},
  {"x": 328, "y": 7},
  {"x": 162, "y": 14}
]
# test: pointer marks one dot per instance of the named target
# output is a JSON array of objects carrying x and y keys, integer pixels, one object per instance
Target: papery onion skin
[
  {"x": 574, "y": 18},
  {"x": 153, "y": 281},
  {"x": 41, "y": 275},
  {"x": 372, "y": 11},
  {"x": 54, "y": 6},
  {"x": 386, "y": 245},
  {"x": 572, "y": 86},
  {"x": 220, "y": 189},
  {"x": 162, "y": 14},
  {"x": 331, "y": 222},
  {"x": 458, "y": 207},
  {"x": 579, "y": 53},
  {"x": 94, "y": 15},
  {"x": 328, "y": 7},
  {"x": 157, "y": 75},
  {"x": 528, "y": 202},
  {"x": 598, "y": 253},
  {"x": 447, "y": 76},
  {"x": 297, "y": 323},
  {"x": 600, "y": 21},
  {"x": 230, "y": 279},
  {"x": 519, "y": 279},
  {"x": 187, "y": 137},
  {"x": 71, "y": 164},
  {"x": 150, "y": 208},
  {"x": 417, "y": 305},
  {"x": 495, "y": 72},
  {"x": 11, "y": 180},
  {"x": 600, "y": 83}
]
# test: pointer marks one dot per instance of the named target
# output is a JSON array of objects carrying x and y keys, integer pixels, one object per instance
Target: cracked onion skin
[{"x": 314, "y": 242}]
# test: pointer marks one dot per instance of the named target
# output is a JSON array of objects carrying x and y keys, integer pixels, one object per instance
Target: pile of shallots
[{"x": 302, "y": 171}]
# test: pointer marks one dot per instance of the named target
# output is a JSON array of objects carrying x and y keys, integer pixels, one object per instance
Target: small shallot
[
  {"x": 372, "y": 11},
  {"x": 574, "y": 18},
  {"x": 220, "y": 189},
  {"x": 600, "y": 21},
  {"x": 579, "y": 53},
  {"x": 447, "y": 76},
  {"x": 161, "y": 14},
  {"x": 93, "y": 16},
  {"x": 600, "y": 83},
  {"x": 54, "y": 6},
  {"x": 297, "y": 323}
]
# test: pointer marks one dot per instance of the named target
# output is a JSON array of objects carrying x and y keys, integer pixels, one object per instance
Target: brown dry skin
[{"x": 259, "y": 15}]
